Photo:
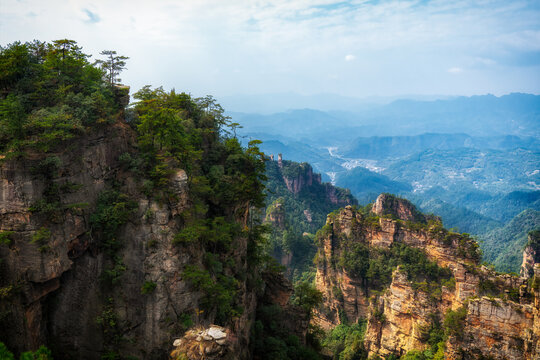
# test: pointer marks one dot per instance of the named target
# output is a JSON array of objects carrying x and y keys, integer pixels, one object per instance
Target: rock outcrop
[
  {"x": 203, "y": 344},
  {"x": 299, "y": 176},
  {"x": 399, "y": 208},
  {"x": 531, "y": 254},
  {"x": 500, "y": 319},
  {"x": 275, "y": 214}
]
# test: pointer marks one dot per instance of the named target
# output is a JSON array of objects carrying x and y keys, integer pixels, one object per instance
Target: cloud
[
  {"x": 92, "y": 17},
  {"x": 284, "y": 45},
  {"x": 455, "y": 70}
]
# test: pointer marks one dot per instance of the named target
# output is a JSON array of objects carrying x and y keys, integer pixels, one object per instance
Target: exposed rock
[
  {"x": 531, "y": 254},
  {"x": 276, "y": 215},
  {"x": 203, "y": 344},
  {"x": 59, "y": 292},
  {"x": 308, "y": 215},
  {"x": 216, "y": 332},
  {"x": 278, "y": 289},
  {"x": 506, "y": 327},
  {"x": 399, "y": 208},
  {"x": 497, "y": 329}
]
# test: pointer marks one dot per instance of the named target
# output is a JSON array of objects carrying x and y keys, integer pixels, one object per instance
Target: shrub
[
  {"x": 41, "y": 237},
  {"x": 113, "y": 209},
  {"x": 306, "y": 296},
  {"x": 5, "y": 354},
  {"x": 40, "y": 354},
  {"x": 454, "y": 322},
  {"x": 148, "y": 287},
  {"x": 219, "y": 292},
  {"x": 5, "y": 237}
]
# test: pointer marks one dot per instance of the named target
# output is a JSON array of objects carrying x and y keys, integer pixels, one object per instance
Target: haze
[{"x": 348, "y": 48}]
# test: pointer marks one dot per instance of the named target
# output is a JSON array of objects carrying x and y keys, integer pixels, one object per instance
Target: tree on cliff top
[{"x": 113, "y": 65}]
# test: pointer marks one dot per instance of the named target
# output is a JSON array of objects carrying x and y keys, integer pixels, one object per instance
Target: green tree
[
  {"x": 113, "y": 65},
  {"x": 307, "y": 296}
]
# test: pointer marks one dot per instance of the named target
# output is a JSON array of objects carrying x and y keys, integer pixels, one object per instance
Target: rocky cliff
[
  {"x": 122, "y": 289},
  {"x": 433, "y": 276},
  {"x": 297, "y": 205},
  {"x": 531, "y": 254}
]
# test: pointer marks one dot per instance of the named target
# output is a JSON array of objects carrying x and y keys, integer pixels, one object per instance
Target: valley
[{"x": 477, "y": 180}]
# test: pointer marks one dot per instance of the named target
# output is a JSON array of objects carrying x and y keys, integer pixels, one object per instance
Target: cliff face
[
  {"x": 298, "y": 176},
  {"x": 398, "y": 208},
  {"x": 53, "y": 266},
  {"x": 33, "y": 275},
  {"x": 501, "y": 325},
  {"x": 531, "y": 254}
]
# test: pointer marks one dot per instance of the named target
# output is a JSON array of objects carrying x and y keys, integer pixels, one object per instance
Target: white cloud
[
  {"x": 284, "y": 45},
  {"x": 455, "y": 70}
]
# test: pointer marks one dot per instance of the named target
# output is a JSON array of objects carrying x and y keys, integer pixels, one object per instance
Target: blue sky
[{"x": 352, "y": 48}]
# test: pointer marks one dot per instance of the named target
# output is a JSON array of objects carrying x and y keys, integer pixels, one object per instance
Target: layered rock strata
[{"x": 502, "y": 325}]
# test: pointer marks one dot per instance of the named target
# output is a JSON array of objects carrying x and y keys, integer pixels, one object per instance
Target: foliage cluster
[
  {"x": 148, "y": 287},
  {"x": 225, "y": 183},
  {"x": 49, "y": 92},
  {"x": 374, "y": 266},
  {"x": 454, "y": 322},
  {"x": 306, "y": 296},
  {"x": 41, "y": 238},
  {"x": 271, "y": 340},
  {"x": 109, "y": 321},
  {"x": 219, "y": 290},
  {"x": 43, "y": 353},
  {"x": 5, "y": 237},
  {"x": 346, "y": 342},
  {"x": 113, "y": 209}
]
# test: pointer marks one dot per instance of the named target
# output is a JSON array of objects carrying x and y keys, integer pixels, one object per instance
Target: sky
[{"x": 350, "y": 48}]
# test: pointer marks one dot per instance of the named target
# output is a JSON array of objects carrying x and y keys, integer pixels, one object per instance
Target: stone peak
[{"x": 396, "y": 207}]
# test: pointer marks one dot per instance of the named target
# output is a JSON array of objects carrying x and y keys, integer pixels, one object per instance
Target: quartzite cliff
[{"x": 500, "y": 314}]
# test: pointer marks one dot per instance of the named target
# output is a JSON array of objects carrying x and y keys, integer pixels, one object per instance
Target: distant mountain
[
  {"x": 504, "y": 207},
  {"x": 279, "y": 102},
  {"x": 366, "y": 185},
  {"x": 486, "y": 115},
  {"x": 503, "y": 247},
  {"x": 297, "y": 151},
  {"x": 463, "y": 219},
  {"x": 494, "y": 171},
  {"x": 380, "y": 147},
  {"x": 501, "y": 207},
  {"x": 478, "y": 116}
]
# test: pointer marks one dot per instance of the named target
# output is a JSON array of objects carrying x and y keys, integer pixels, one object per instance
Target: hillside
[
  {"x": 366, "y": 185},
  {"x": 297, "y": 206},
  {"x": 402, "y": 286},
  {"x": 503, "y": 246}
]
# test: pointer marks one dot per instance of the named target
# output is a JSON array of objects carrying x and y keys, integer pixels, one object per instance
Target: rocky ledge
[{"x": 197, "y": 344}]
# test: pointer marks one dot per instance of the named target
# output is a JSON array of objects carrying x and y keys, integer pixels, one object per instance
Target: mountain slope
[{"x": 503, "y": 247}]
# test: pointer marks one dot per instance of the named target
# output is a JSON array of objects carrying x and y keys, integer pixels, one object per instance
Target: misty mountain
[
  {"x": 380, "y": 147},
  {"x": 479, "y": 116},
  {"x": 486, "y": 115},
  {"x": 366, "y": 185}
]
